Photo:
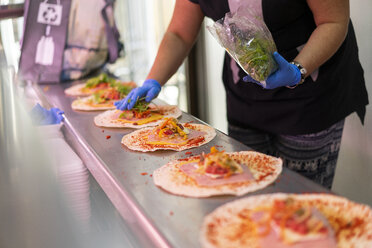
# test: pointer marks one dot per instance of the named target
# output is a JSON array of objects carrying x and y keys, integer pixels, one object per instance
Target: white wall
[
  {"x": 354, "y": 168},
  {"x": 215, "y": 92}
]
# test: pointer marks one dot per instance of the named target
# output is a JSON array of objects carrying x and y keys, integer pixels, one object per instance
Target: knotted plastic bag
[{"x": 247, "y": 39}]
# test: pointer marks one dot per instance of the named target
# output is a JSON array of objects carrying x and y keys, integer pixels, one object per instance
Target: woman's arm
[
  {"x": 177, "y": 41},
  {"x": 331, "y": 18}
]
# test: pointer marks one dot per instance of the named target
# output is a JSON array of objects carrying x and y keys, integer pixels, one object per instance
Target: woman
[{"x": 301, "y": 123}]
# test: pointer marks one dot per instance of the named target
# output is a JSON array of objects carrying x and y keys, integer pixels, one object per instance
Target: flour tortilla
[
  {"x": 135, "y": 140},
  {"x": 85, "y": 105},
  {"x": 106, "y": 119},
  {"x": 76, "y": 90},
  {"x": 264, "y": 168},
  {"x": 223, "y": 227}
]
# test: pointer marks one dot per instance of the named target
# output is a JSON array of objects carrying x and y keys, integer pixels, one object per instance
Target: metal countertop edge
[{"x": 123, "y": 202}]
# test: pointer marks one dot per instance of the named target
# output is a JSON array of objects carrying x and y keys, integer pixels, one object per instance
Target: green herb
[
  {"x": 141, "y": 105},
  {"x": 300, "y": 212},
  {"x": 255, "y": 56},
  {"x": 230, "y": 163},
  {"x": 97, "y": 97},
  {"x": 101, "y": 78},
  {"x": 123, "y": 89}
]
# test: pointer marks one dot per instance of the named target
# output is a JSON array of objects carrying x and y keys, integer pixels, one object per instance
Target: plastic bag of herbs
[{"x": 247, "y": 39}]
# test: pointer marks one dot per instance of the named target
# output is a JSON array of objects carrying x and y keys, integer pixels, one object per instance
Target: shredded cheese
[
  {"x": 171, "y": 125},
  {"x": 152, "y": 118},
  {"x": 221, "y": 159}
]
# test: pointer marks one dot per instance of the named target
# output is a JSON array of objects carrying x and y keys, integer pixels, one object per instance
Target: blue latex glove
[
  {"x": 150, "y": 89},
  {"x": 42, "y": 116},
  {"x": 286, "y": 75}
]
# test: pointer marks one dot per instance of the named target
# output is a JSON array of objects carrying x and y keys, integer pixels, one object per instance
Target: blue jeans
[{"x": 312, "y": 155}]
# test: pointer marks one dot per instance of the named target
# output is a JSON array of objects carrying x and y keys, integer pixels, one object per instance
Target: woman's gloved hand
[
  {"x": 42, "y": 116},
  {"x": 286, "y": 75},
  {"x": 150, "y": 89}
]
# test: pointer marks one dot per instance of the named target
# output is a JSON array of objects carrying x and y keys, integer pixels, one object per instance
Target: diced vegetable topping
[
  {"x": 103, "y": 81},
  {"x": 106, "y": 95},
  {"x": 293, "y": 217},
  {"x": 140, "y": 110},
  {"x": 127, "y": 114},
  {"x": 297, "y": 218},
  {"x": 218, "y": 163},
  {"x": 102, "y": 78},
  {"x": 170, "y": 128}
]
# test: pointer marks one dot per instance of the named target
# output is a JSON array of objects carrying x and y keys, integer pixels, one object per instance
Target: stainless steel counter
[{"x": 156, "y": 218}]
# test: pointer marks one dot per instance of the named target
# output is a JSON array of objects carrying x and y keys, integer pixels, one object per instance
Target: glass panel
[{"x": 10, "y": 37}]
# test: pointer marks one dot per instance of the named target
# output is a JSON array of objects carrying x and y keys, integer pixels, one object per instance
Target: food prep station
[{"x": 154, "y": 217}]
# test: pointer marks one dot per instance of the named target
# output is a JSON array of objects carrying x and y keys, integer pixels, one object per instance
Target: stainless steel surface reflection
[
  {"x": 72, "y": 176},
  {"x": 161, "y": 218},
  {"x": 42, "y": 204},
  {"x": 32, "y": 210}
]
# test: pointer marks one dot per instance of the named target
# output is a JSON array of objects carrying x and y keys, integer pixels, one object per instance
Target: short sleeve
[{"x": 194, "y": 1}]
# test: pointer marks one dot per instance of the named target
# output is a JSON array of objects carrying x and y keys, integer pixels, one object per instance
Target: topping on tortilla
[
  {"x": 104, "y": 96},
  {"x": 216, "y": 168},
  {"x": 123, "y": 88},
  {"x": 101, "y": 82},
  {"x": 218, "y": 164},
  {"x": 141, "y": 105},
  {"x": 169, "y": 135},
  {"x": 116, "y": 91},
  {"x": 100, "y": 98},
  {"x": 292, "y": 221},
  {"x": 140, "y": 110},
  {"x": 171, "y": 129}
]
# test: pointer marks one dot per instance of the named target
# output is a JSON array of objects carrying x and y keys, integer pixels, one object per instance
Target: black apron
[{"x": 339, "y": 88}]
